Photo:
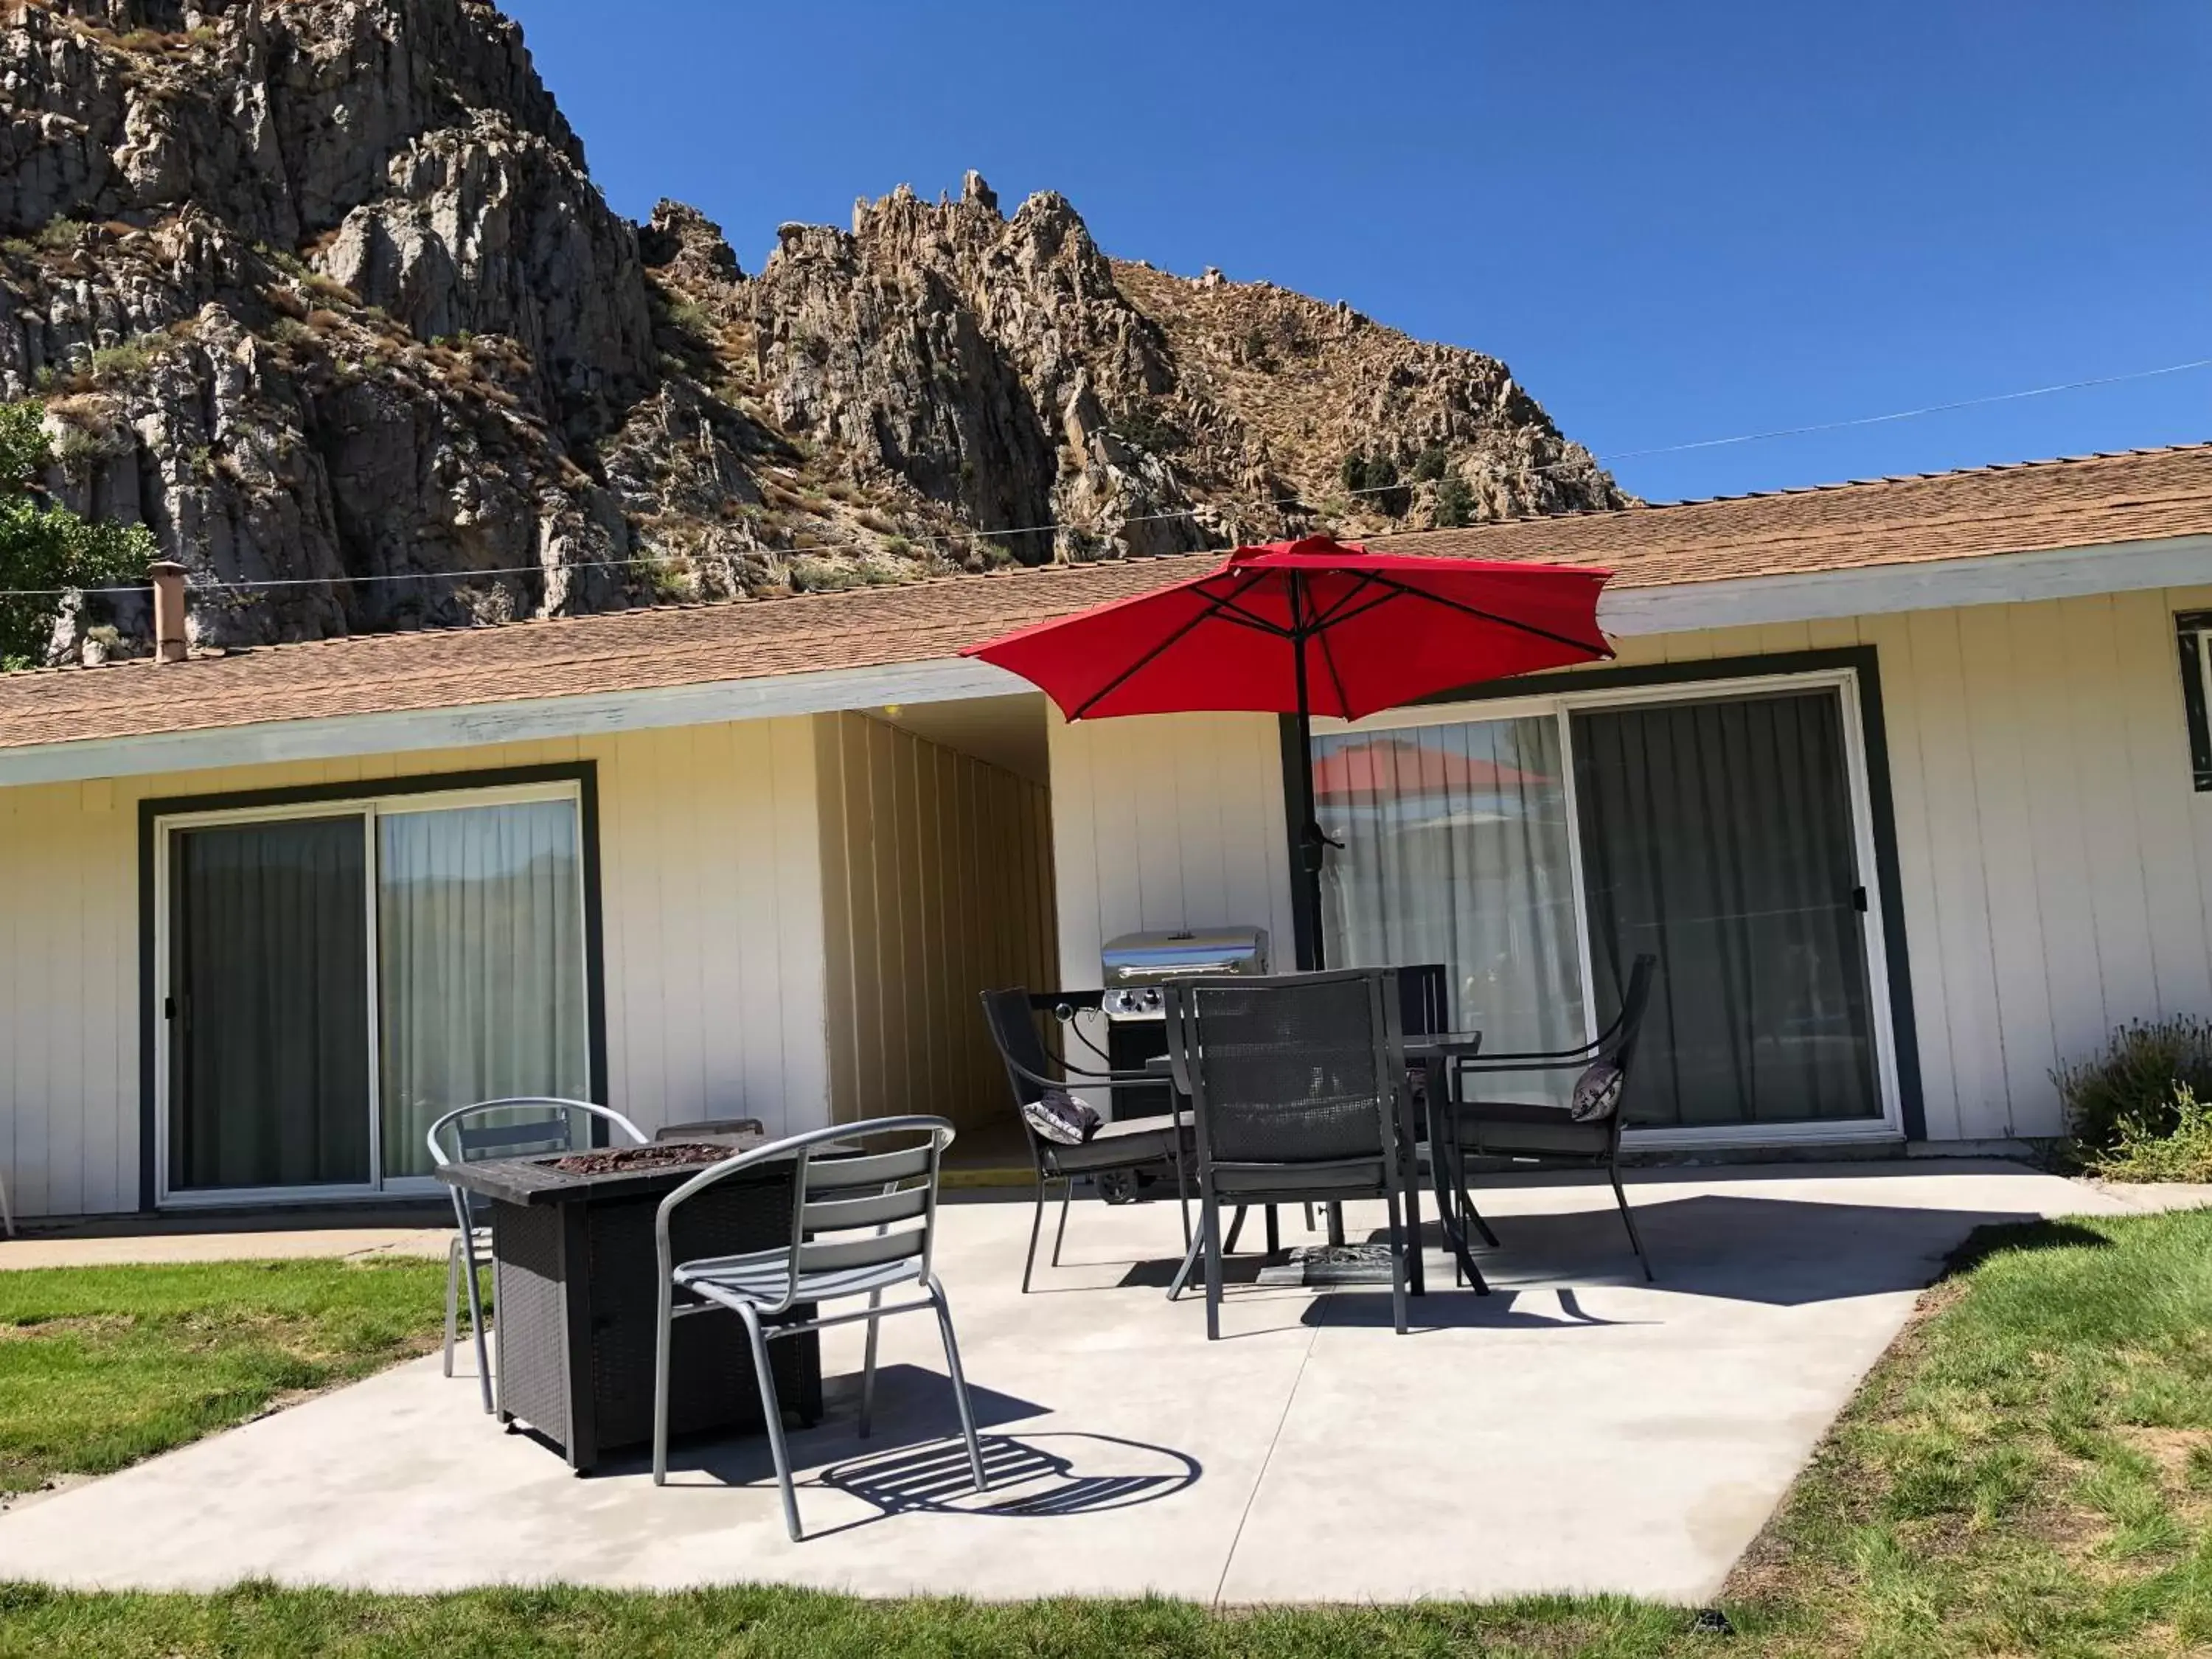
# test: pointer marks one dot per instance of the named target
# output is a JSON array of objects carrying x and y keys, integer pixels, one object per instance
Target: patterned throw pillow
[
  {"x": 1597, "y": 1093},
  {"x": 1058, "y": 1117}
]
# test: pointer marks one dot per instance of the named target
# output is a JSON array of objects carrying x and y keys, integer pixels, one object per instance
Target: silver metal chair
[
  {"x": 469, "y": 1143},
  {"x": 863, "y": 1222}
]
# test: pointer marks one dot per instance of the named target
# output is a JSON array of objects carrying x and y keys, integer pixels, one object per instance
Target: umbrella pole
[{"x": 1311, "y": 842}]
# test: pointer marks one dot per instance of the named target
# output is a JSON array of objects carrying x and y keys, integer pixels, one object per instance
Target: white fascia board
[
  {"x": 1682, "y": 608},
  {"x": 2063, "y": 573},
  {"x": 820, "y": 692}
]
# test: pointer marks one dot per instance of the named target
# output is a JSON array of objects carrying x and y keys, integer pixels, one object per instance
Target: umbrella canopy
[
  {"x": 1312, "y": 626},
  {"x": 1306, "y": 628}
]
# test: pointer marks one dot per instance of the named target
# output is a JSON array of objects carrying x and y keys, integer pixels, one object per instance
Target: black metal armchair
[
  {"x": 1124, "y": 1147},
  {"x": 1296, "y": 1083},
  {"x": 1547, "y": 1134}
]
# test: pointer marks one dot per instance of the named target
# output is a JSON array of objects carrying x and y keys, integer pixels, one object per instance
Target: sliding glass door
[
  {"x": 481, "y": 964},
  {"x": 269, "y": 1006},
  {"x": 336, "y": 978},
  {"x": 1539, "y": 847},
  {"x": 1719, "y": 838},
  {"x": 1457, "y": 849}
]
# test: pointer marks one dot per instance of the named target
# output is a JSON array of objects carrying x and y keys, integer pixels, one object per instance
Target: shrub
[
  {"x": 1432, "y": 464},
  {"x": 2139, "y": 1081},
  {"x": 60, "y": 235},
  {"x": 127, "y": 360},
  {"x": 2182, "y": 1152},
  {"x": 1454, "y": 503}
]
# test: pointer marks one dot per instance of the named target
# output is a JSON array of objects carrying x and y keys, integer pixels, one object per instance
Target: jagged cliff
[{"x": 322, "y": 291}]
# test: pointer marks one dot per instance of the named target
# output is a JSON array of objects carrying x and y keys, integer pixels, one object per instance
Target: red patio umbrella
[{"x": 1306, "y": 628}]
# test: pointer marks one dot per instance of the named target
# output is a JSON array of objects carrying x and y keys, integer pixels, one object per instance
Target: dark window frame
[
  {"x": 585, "y": 775},
  {"x": 2192, "y": 632}
]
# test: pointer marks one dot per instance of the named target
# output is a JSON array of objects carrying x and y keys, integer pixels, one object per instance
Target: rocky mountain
[{"x": 322, "y": 291}]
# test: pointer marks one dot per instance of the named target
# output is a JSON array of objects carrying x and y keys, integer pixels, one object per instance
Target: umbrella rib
[
  {"x": 1214, "y": 603},
  {"x": 1485, "y": 615},
  {"x": 1329, "y": 661}
]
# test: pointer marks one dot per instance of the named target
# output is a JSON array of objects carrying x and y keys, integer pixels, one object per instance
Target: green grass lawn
[
  {"x": 102, "y": 1366},
  {"x": 2028, "y": 1472}
]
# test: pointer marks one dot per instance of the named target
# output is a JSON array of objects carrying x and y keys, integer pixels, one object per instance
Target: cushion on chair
[
  {"x": 1124, "y": 1143},
  {"x": 1529, "y": 1129},
  {"x": 1059, "y": 1117},
  {"x": 1597, "y": 1093}
]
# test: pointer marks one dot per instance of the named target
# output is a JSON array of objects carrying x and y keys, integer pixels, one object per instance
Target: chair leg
[
  {"x": 959, "y": 1385},
  {"x": 868, "y": 1370},
  {"x": 1397, "y": 1263},
  {"x": 662, "y": 1332},
  {"x": 1235, "y": 1230},
  {"x": 773, "y": 1411},
  {"x": 1036, "y": 1224},
  {"x": 1181, "y": 1278},
  {"x": 1274, "y": 1232},
  {"x": 476, "y": 1319},
  {"x": 453, "y": 1300},
  {"x": 1310, "y": 1222},
  {"x": 1210, "y": 1215},
  {"x": 1067, "y": 1195},
  {"x": 1628, "y": 1221}
]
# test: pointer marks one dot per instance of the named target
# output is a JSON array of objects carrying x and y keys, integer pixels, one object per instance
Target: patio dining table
[{"x": 1435, "y": 1054}]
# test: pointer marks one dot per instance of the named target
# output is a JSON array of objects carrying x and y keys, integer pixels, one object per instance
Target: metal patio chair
[
  {"x": 1296, "y": 1083},
  {"x": 1121, "y": 1146},
  {"x": 1546, "y": 1135},
  {"x": 468, "y": 1142},
  {"x": 849, "y": 1237}
]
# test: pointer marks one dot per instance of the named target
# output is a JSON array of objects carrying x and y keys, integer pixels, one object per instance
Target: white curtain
[
  {"x": 1456, "y": 850},
  {"x": 481, "y": 969}
]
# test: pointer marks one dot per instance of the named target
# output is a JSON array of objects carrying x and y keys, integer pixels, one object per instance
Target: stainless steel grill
[{"x": 1135, "y": 965}]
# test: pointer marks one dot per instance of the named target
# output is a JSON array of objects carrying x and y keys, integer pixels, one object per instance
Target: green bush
[
  {"x": 1454, "y": 503},
  {"x": 2182, "y": 1152},
  {"x": 2139, "y": 1081},
  {"x": 1430, "y": 465}
]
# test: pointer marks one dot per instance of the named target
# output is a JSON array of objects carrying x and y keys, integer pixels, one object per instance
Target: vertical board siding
[
  {"x": 1167, "y": 821},
  {"x": 935, "y": 862},
  {"x": 2055, "y": 862},
  {"x": 711, "y": 898}
]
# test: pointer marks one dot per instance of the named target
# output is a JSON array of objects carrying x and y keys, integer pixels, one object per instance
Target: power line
[{"x": 950, "y": 537}]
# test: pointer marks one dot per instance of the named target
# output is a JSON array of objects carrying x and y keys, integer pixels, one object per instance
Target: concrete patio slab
[{"x": 1579, "y": 1429}]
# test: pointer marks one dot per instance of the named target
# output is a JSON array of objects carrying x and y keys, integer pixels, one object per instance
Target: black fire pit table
[{"x": 574, "y": 1297}]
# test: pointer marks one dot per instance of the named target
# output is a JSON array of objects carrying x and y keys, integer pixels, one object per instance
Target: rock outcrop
[{"x": 322, "y": 291}]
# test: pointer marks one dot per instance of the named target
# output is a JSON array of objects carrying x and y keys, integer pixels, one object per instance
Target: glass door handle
[{"x": 1859, "y": 900}]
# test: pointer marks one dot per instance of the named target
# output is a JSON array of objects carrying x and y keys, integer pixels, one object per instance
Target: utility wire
[{"x": 258, "y": 583}]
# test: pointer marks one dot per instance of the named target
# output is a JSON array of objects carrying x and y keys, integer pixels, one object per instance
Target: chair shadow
[
  {"x": 1504, "y": 1309},
  {"x": 1035, "y": 1481},
  {"x": 1777, "y": 1251}
]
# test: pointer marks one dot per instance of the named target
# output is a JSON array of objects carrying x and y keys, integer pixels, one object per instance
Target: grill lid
[{"x": 1149, "y": 957}]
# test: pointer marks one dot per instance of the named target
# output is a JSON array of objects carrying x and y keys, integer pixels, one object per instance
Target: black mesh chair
[
  {"x": 1540, "y": 1133},
  {"x": 1296, "y": 1083},
  {"x": 1123, "y": 1146}
]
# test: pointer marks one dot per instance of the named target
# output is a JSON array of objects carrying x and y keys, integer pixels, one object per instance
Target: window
[
  {"x": 336, "y": 974},
  {"x": 2195, "y": 628}
]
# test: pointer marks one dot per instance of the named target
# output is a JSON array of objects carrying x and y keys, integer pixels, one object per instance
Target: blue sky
[{"x": 1674, "y": 222}]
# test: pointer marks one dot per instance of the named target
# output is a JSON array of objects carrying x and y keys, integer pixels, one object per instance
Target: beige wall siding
[
  {"x": 937, "y": 872},
  {"x": 710, "y": 879},
  {"x": 1168, "y": 820},
  {"x": 2055, "y": 862}
]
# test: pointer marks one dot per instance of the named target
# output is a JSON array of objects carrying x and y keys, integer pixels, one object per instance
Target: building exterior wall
[
  {"x": 2055, "y": 860},
  {"x": 710, "y": 884},
  {"x": 937, "y": 873},
  {"x": 1168, "y": 820}
]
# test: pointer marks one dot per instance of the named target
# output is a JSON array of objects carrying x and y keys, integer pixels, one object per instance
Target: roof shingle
[{"x": 1987, "y": 512}]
